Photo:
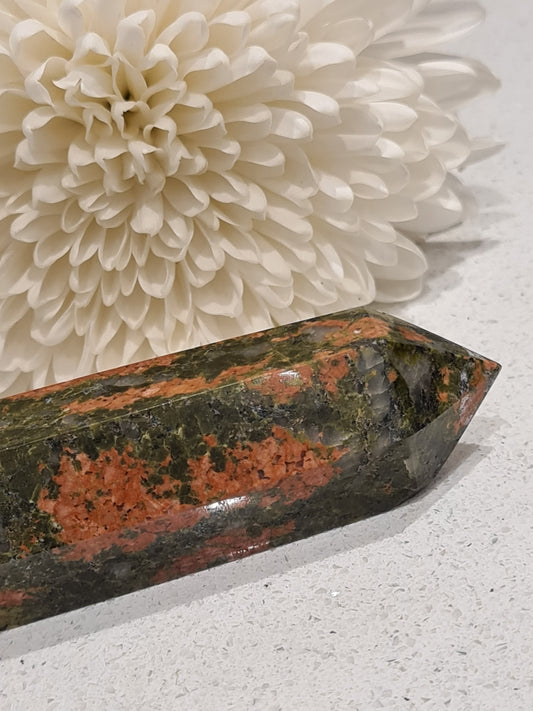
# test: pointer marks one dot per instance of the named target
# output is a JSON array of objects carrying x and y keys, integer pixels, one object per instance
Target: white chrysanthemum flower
[{"x": 179, "y": 171}]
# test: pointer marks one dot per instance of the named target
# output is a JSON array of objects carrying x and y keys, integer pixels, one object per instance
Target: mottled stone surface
[{"x": 139, "y": 475}]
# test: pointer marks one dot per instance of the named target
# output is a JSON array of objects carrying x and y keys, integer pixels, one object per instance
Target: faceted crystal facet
[{"x": 131, "y": 477}]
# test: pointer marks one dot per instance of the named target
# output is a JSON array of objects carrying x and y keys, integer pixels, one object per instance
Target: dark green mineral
[{"x": 135, "y": 476}]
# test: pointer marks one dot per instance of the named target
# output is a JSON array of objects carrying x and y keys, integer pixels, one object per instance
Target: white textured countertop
[{"x": 425, "y": 607}]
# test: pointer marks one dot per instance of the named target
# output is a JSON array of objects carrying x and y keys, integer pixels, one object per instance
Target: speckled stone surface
[
  {"x": 425, "y": 607},
  {"x": 140, "y": 475}
]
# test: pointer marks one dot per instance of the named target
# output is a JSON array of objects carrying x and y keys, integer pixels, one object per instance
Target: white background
[{"x": 425, "y": 607}]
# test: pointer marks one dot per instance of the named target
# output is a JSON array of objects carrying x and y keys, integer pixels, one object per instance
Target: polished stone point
[{"x": 152, "y": 471}]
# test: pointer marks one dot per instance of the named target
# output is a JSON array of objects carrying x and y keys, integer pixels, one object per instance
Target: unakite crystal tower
[{"x": 139, "y": 475}]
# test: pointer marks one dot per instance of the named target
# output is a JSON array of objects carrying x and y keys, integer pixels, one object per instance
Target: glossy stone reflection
[{"x": 146, "y": 473}]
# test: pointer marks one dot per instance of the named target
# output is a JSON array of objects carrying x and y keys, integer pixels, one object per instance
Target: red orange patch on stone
[
  {"x": 283, "y": 385},
  {"x": 105, "y": 495},
  {"x": 263, "y": 466},
  {"x": 413, "y": 336},
  {"x": 333, "y": 368},
  {"x": 12, "y": 598},
  {"x": 163, "y": 389}
]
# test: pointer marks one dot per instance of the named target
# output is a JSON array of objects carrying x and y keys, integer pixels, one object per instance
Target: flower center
[{"x": 129, "y": 116}]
